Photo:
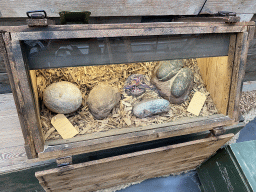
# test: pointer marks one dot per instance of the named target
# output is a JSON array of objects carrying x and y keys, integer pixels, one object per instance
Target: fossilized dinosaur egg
[
  {"x": 102, "y": 99},
  {"x": 168, "y": 69},
  {"x": 151, "y": 107},
  {"x": 62, "y": 97},
  {"x": 182, "y": 82},
  {"x": 177, "y": 88}
]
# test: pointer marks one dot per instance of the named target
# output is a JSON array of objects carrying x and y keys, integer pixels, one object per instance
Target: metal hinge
[
  {"x": 38, "y": 18},
  {"x": 229, "y": 17},
  {"x": 64, "y": 161},
  {"x": 221, "y": 16},
  {"x": 217, "y": 131}
]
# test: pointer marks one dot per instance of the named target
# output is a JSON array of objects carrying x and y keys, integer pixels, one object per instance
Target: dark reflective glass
[{"x": 117, "y": 50}]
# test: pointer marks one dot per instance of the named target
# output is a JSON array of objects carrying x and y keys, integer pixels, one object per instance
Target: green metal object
[
  {"x": 74, "y": 17},
  {"x": 231, "y": 169},
  {"x": 245, "y": 154},
  {"x": 23, "y": 180}
]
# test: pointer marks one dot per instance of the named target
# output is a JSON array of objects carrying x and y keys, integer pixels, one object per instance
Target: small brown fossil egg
[
  {"x": 102, "y": 99},
  {"x": 62, "y": 97}
]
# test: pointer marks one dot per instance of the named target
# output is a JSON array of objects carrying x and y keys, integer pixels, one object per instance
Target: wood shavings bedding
[
  {"x": 121, "y": 117},
  {"x": 247, "y": 101}
]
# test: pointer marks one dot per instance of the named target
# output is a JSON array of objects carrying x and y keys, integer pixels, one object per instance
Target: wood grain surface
[
  {"x": 12, "y": 152},
  {"x": 241, "y": 50},
  {"x": 137, "y": 166},
  {"x": 23, "y": 96},
  {"x": 118, "y": 140},
  {"x": 103, "y": 7},
  {"x": 127, "y": 7},
  {"x": 216, "y": 73},
  {"x": 250, "y": 71},
  {"x": 238, "y": 6}
]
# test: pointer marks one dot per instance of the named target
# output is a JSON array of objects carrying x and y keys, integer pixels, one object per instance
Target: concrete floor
[{"x": 181, "y": 183}]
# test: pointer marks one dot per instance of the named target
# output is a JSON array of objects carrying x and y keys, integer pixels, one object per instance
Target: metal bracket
[
  {"x": 221, "y": 16},
  {"x": 64, "y": 161},
  {"x": 38, "y": 18},
  {"x": 229, "y": 17},
  {"x": 217, "y": 131}
]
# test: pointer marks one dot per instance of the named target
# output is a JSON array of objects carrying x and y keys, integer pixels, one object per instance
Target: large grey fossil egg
[{"x": 62, "y": 97}]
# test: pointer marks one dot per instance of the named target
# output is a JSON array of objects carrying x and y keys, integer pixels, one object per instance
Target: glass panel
[
  {"x": 100, "y": 51},
  {"x": 123, "y": 75}
]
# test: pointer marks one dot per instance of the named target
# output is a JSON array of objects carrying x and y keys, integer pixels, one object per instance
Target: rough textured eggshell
[
  {"x": 62, "y": 97},
  {"x": 182, "y": 82},
  {"x": 151, "y": 107},
  {"x": 164, "y": 88},
  {"x": 168, "y": 69},
  {"x": 102, "y": 99}
]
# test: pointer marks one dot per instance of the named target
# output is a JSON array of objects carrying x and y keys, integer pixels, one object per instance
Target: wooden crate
[{"x": 222, "y": 76}]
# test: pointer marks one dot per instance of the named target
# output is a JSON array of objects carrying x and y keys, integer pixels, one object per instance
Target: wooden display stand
[{"x": 222, "y": 76}]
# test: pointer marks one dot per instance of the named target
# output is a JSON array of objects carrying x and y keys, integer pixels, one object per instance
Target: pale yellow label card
[
  {"x": 63, "y": 126},
  {"x": 196, "y": 103}
]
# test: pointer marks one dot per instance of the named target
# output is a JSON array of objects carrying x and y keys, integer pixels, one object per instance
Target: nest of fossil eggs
[{"x": 121, "y": 116}]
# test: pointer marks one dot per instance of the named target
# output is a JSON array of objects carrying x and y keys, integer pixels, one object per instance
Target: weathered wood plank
[
  {"x": 29, "y": 112},
  {"x": 12, "y": 152},
  {"x": 103, "y": 7},
  {"x": 250, "y": 71},
  {"x": 131, "y": 138},
  {"x": 177, "y": 125},
  {"x": 2, "y": 67},
  {"x": 142, "y": 30},
  {"x": 215, "y": 26},
  {"x": 238, "y": 6},
  {"x": 12, "y": 155},
  {"x": 234, "y": 90},
  {"x": 10, "y": 121},
  {"x": 132, "y": 167},
  {"x": 119, "y": 178},
  {"x": 251, "y": 57},
  {"x": 3, "y": 49},
  {"x": 242, "y": 46},
  {"x": 7, "y": 103},
  {"x": 245, "y": 17},
  {"x": 4, "y": 78},
  {"x": 23, "y": 97},
  {"x": 216, "y": 74}
]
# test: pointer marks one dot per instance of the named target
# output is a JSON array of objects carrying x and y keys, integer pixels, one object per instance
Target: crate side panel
[
  {"x": 132, "y": 167},
  {"x": 216, "y": 74}
]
